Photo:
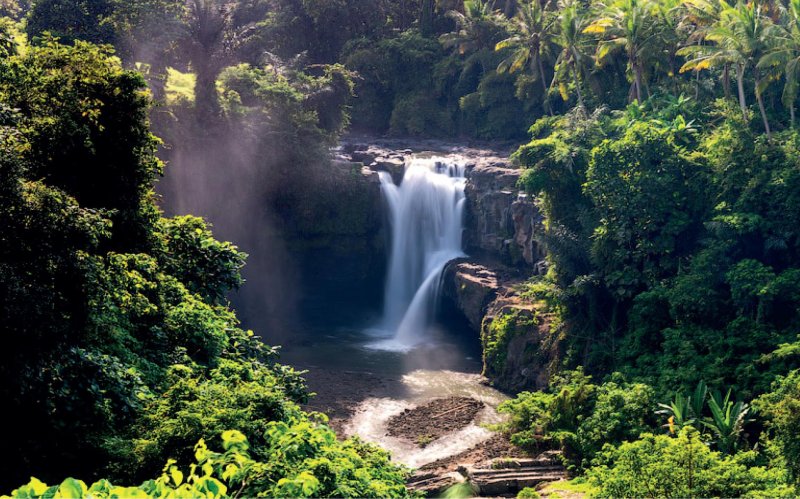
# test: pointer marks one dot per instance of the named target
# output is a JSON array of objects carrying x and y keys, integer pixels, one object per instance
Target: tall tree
[
  {"x": 739, "y": 39},
  {"x": 574, "y": 44},
  {"x": 699, "y": 16},
  {"x": 782, "y": 59},
  {"x": 216, "y": 33},
  {"x": 475, "y": 26},
  {"x": 533, "y": 30},
  {"x": 628, "y": 25}
]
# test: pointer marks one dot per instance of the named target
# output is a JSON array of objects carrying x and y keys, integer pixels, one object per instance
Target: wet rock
[
  {"x": 426, "y": 423},
  {"x": 395, "y": 166},
  {"x": 521, "y": 350}
]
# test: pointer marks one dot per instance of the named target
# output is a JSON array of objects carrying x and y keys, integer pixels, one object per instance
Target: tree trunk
[
  {"x": 545, "y": 100},
  {"x": 791, "y": 114},
  {"x": 726, "y": 80},
  {"x": 637, "y": 81},
  {"x": 696, "y": 85},
  {"x": 426, "y": 18},
  {"x": 740, "y": 86},
  {"x": 763, "y": 111},
  {"x": 206, "y": 100},
  {"x": 577, "y": 83},
  {"x": 510, "y": 8}
]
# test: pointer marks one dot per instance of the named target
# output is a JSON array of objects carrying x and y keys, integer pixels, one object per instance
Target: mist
[{"x": 229, "y": 180}]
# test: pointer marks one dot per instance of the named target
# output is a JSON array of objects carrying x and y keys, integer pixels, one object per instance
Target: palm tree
[
  {"x": 742, "y": 31},
  {"x": 473, "y": 26},
  {"x": 699, "y": 17},
  {"x": 573, "y": 43},
  {"x": 215, "y": 33},
  {"x": 627, "y": 25},
  {"x": 533, "y": 31},
  {"x": 783, "y": 56},
  {"x": 670, "y": 33},
  {"x": 739, "y": 39}
]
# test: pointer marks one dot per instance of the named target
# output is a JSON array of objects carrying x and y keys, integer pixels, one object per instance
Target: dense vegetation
[
  {"x": 663, "y": 154},
  {"x": 120, "y": 349}
]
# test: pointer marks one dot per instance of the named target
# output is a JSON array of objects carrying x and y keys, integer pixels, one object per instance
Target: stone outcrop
[
  {"x": 520, "y": 349},
  {"x": 502, "y": 222},
  {"x": 506, "y": 477},
  {"x": 472, "y": 288},
  {"x": 378, "y": 158}
]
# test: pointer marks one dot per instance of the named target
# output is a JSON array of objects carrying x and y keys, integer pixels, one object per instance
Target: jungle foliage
[
  {"x": 663, "y": 155},
  {"x": 120, "y": 349}
]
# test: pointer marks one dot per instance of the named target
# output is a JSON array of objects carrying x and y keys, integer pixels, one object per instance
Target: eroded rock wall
[
  {"x": 502, "y": 223},
  {"x": 520, "y": 346},
  {"x": 334, "y": 228}
]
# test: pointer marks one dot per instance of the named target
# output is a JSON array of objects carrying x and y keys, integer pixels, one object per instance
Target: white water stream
[
  {"x": 426, "y": 215},
  {"x": 372, "y": 416}
]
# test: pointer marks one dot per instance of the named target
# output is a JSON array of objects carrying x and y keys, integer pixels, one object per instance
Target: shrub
[
  {"x": 662, "y": 466},
  {"x": 306, "y": 461}
]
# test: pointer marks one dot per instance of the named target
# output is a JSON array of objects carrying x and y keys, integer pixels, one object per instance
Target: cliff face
[
  {"x": 334, "y": 228},
  {"x": 520, "y": 348},
  {"x": 502, "y": 228},
  {"x": 501, "y": 221}
]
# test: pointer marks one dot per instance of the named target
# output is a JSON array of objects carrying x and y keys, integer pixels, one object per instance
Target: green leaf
[
  {"x": 37, "y": 487},
  {"x": 176, "y": 474},
  {"x": 71, "y": 489}
]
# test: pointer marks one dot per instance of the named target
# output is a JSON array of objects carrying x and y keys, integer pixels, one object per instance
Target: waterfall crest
[{"x": 426, "y": 215}]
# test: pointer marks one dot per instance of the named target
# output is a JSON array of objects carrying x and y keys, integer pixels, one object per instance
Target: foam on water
[{"x": 426, "y": 215}]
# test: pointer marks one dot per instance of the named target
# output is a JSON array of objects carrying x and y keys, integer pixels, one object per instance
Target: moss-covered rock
[{"x": 520, "y": 346}]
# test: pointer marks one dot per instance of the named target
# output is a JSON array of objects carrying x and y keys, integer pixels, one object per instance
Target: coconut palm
[
  {"x": 783, "y": 57},
  {"x": 738, "y": 39},
  {"x": 533, "y": 29},
  {"x": 699, "y": 16},
  {"x": 574, "y": 47},
  {"x": 475, "y": 26},
  {"x": 628, "y": 25},
  {"x": 669, "y": 14}
]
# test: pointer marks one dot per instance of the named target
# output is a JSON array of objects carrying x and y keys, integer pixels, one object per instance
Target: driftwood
[{"x": 463, "y": 406}]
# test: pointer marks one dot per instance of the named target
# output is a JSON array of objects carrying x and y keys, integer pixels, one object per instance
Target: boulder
[{"x": 471, "y": 287}]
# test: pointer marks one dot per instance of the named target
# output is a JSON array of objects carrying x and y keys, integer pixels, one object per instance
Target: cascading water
[{"x": 426, "y": 215}]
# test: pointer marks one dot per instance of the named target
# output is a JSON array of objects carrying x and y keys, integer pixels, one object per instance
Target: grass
[{"x": 567, "y": 489}]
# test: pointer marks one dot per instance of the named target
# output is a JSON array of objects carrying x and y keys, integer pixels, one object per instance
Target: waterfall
[{"x": 426, "y": 215}]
